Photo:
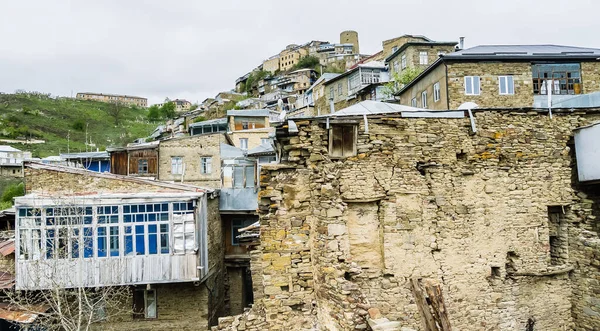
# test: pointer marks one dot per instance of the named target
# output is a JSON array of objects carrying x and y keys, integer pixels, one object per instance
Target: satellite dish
[
  {"x": 468, "y": 105},
  {"x": 282, "y": 116}
]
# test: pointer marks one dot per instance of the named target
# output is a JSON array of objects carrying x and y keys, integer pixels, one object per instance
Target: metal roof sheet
[
  {"x": 86, "y": 155},
  {"x": 262, "y": 149},
  {"x": 369, "y": 107},
  {"x": 209, "y": 122},
  {"x": 523, "y": 50},
  {"x": 249, "y": 112},
  {"x": 6, "y": 148}
]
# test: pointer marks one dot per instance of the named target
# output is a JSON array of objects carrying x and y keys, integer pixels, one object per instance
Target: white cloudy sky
[{"x": 194, "y": 49}]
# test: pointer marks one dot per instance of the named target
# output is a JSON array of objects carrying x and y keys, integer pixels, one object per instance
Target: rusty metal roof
[
  {"x": 25, "y": 314},
  {"x": 7, "y": 247},
  {"x": 7, "y": 280}
]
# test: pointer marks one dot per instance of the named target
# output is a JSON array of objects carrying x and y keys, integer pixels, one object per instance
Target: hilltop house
[{"x": 499, "y": 76}]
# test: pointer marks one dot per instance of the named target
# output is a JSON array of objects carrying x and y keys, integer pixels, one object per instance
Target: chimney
[
  {"x": 331, "y": 106},
  {"x": 462, "y": 43}
]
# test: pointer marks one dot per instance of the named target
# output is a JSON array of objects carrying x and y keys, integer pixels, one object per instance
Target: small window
[
  {"x": 423, "y": 58},
  {"x": 206, "y": 165},
  {"x": 339, "y": 89},
  {"x": 244, "y": 125},
  {"x": 244, "y": 143},
  {"x": 436, "y": 92},
  {"x": 413, "y": 102},
  {"x": 331, "y": 92},
  {"x": 236, "y": 225},
  {"x": 176, "y": 165},
  {"x": 342, "y": 141},
  {"x": 403, "y": 61},
  {"x": 265, "y": 141},
  {"x": 424, "y": 99},
  {"x": 142, "y": 166},
  {"x": 144, "y": 304},
  {"x": 395, "y": 66},
  {"x": 507, "y": 85},
  {"x": 472, "y": 85}
]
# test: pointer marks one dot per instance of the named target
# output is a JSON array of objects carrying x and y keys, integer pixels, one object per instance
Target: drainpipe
[{"x": 331, "y": 106}]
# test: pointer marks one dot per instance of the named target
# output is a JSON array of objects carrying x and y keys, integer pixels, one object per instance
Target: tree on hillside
[
  {"x": 116, "y": 110},
  {"x": 399, "y": 80},
  {"x": 168, "y": 110},
  {"x": 154, "y": 113},
  {"x": 254, "y": 78},
  {"x": 307, "y": 62}
]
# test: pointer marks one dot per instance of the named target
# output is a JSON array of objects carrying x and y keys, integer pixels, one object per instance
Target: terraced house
[{"x": 514, "y": 76}]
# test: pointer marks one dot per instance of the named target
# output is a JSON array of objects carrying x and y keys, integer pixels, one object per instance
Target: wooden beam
[
  {"x": 434, "y": 292},
  {"x": 426, "y": 317}
]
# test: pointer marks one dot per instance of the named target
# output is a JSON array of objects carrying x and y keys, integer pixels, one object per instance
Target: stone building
[
  {"x": 163, "y": 240},
  {"x": 290, "y": 56},
  {"x": 417, "y": 55},
  {"x": 390, "y": 46},
  {"x": 343, "y": 89},
  {"x": 514, "y": 76},
  {"x": 363, "y": 213},
  {"x": 113, "y": 98},
  {"x": 250, "y": 128}
]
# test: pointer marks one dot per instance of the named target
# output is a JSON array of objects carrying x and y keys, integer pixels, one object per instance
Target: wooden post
[
  {"x": 434, "y": 292},
  {"x": 426, "y": 316}
]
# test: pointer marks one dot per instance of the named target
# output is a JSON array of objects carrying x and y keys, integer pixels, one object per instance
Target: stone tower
[{"x": 350, "y": 37}]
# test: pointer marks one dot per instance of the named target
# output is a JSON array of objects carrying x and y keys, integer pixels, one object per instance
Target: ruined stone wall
[{"x": 427, "y": 199}]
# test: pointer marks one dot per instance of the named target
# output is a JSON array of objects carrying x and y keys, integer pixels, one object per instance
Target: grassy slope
[{"x": 39, "y": 117}]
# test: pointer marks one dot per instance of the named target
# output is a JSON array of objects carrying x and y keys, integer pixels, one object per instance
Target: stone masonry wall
[
  {"x": 490, "y": 96},
  {"x": 192, "y": 149},
  {"x": 590, "y": 75},
  {"x": 428, "y": 199}
]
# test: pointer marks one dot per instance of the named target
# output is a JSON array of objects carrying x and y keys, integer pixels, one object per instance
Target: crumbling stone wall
[{"x": 425, "y": 198}]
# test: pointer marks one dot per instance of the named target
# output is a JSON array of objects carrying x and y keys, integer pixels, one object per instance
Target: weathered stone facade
[
  {"x": 494, "y": 217},
  {"x": 192, "y": 149}
]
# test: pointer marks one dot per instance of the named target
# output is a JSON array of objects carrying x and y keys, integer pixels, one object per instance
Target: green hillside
[{"x": 63, "y": 122}]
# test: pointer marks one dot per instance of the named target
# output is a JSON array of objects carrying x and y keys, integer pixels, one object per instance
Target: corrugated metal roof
[
  {"x": 249, "y": 112},
  {"x": 523, "y": 50},
  {"x": 369, "y": 107},
  {"x": 209, "y": 122},
  {"x": 7, "y": 247},
  {"x": 7, "y": 280},
  {"x": 24, "y": 315},
  {"x": 262, "y": 149},
  {"x": 6, "y": 148},
  {"x": 231, "y": 152},
  {"x": 86, "y": 155},
  {"x": 84, "y": 172}
]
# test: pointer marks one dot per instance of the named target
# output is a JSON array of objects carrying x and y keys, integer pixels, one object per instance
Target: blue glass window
[
  {"x": 49, "y": 244},
  {"x": 114, "y": 240},
  {"x": 88, "y": 242},
  {"x": 152, "y": 239},
  {"x": 128, "y": 240},
  {"x": 102, "y": 242},
  {"x": 164, "y": 238},
  {"x": 140, "y": 244}
]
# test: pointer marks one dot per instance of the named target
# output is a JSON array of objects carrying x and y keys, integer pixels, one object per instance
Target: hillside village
[{"x": 429, "y": 186}]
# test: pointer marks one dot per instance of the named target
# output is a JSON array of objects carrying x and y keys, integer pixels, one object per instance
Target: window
[
  {"x": 403, "y": 61},
  {"x": 331, "y": 93},
  {"x": 339, "y": 89},
  {"x": 142, "y": 166},
  {"x": 244, "y": 143},
  {"x": 395, "y": 67},
  {"x": 394, "y": 49},
  {"x": 507, "y": 85},
  {"x": 176, "y": 165},
  {"x": 265, "y": 141},
  {"x": 236, "y": 225},
  {"x": 472, "y": 85},
  {"x": 413, "y": 102},
  {"x": 565, "y": 78},
  {"x": 424, "y": 99},
  {"x": 205, "y": 165},
  {"x": 423, "y": 58},
  {"x": 244, "y": 125},
  {"x": 184, "y": 228},
  {"x": 436, "y": 92},
  {"x": 144, "y": 303},
  {"x": 342, "y": 141}
]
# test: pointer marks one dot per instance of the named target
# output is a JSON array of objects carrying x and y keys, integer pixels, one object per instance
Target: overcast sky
[{"x": 194, "y": 49}]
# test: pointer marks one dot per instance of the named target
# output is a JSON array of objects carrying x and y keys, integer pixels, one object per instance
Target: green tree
[
  {"x": 154, "y": 113},
  {"x": 168, "y": 110},
  {"x": 399, "y": 80},
  {"x": 307, "y": 62},
  {"x": 12, "y": 191}
]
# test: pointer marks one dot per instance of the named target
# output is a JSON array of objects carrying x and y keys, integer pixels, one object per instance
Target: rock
[{"x": 374, "y": 313}]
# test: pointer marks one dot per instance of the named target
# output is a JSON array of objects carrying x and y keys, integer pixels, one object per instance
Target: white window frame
[
  {"x": 470, "y": 81},
  {"x": 244, "y": 143},
  {"x": 506, "y": 85},
  {"x": 176, "y": 165},
  {"x": 423, "y": 58},
  {"x": 424, "y": 99},
  {"x": 403, "y": 61},
  {"x": 413, "y": 102},
  {"x": 436, "y": 92},
  {"x": 206, "y": 165}
]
